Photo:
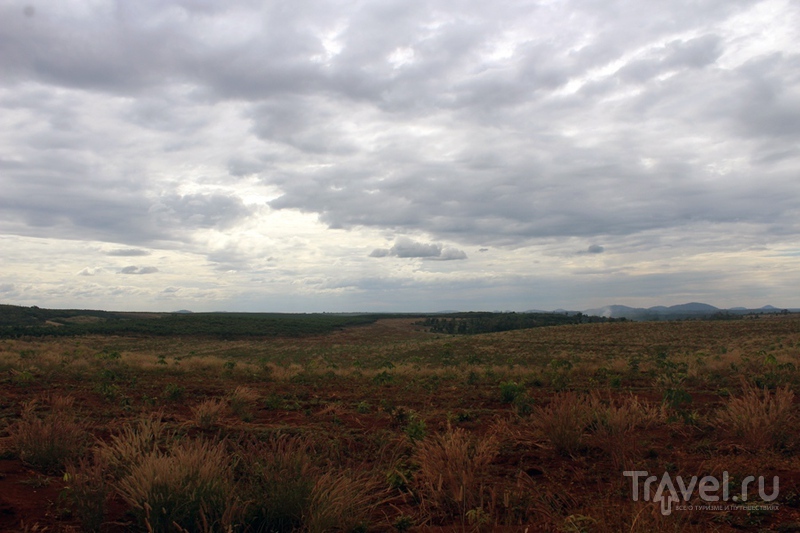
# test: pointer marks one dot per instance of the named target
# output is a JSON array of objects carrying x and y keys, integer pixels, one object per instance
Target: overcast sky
[{"x": 399, "y": 155}]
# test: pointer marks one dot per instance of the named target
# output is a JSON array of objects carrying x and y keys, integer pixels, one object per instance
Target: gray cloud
[
  {"x": 175, "y": 125},
  {"x": 198, "y": 210},
  {"x": 452, "y": 254},
  {"x": 380, "y": 252},
  {"x": 127, "y": 252},
  {"x": 486, "y": 185},
  {"x": 90, "y": 271},
  {"x": 138, "y": 270},
  {"x": 405, "y": 247}
]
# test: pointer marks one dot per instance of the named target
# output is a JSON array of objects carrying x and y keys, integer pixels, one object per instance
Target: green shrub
[
  {"x": 173, "y": 392},
  {"x": 415, "y": 429},
  {"x": 509, "y": 390},
  {"x": 523, "y": 404}
]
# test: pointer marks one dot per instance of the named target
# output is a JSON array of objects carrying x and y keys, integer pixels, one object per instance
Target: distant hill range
[{"x": 677, "y": 312}]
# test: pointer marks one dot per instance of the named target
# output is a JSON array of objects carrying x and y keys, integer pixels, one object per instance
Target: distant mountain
[
  {"x": 616, "y": 311},
  {"x": 692, "y": 307},
  {"x": 674, "y": 312}
]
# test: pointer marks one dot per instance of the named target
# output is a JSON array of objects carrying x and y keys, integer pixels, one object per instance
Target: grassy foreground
[{"x": 388, "y": 427}]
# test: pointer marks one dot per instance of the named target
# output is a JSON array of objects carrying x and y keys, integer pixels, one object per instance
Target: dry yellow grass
[
  {"x": 207, "y": 414},
  {"x": 761, "y": 419},
  {"x": 189, "y": 485},
  {"x": 564, "y": 420},
  {"x": 48, "y": 442},
  {"x": 452, "y": 466},
  {"x": 134, "y": 442}
]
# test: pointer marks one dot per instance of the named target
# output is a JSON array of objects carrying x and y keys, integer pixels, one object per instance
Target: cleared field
[{"x": 385, "y": 426}]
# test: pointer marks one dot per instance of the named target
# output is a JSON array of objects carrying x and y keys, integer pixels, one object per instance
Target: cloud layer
[{"x": 250, "y": 151}]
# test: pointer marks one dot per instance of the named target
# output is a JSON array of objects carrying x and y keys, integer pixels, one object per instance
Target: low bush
[{"x": 509, "y": 390}]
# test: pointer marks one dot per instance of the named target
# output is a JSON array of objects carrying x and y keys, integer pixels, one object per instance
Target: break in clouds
[{"x": 307, "y": 133}]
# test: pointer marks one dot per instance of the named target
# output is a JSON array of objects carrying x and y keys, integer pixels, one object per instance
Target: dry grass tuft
[
  {"x": 341, "y": 501},
  {"x": 87, "y": 490},
  {"x": 279, "y": 479},
  {"x": 191, "y": 486},
  {"x": 61, "y": 404},
  {"x": 761, "y": 419},
  {"x": 564, "y": 420},
  {"x": 451, "y": 468},
  {"x": 207, "y": 414},
  {"x": 615, "y": 422},
  {"x": 47, "y": 443},
  {"x": 242, "y": 400},
  {"x": 133, "y": 444}
]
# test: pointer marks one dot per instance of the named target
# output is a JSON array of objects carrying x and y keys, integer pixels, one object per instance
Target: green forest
[{"x": 474, "y": 323}]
